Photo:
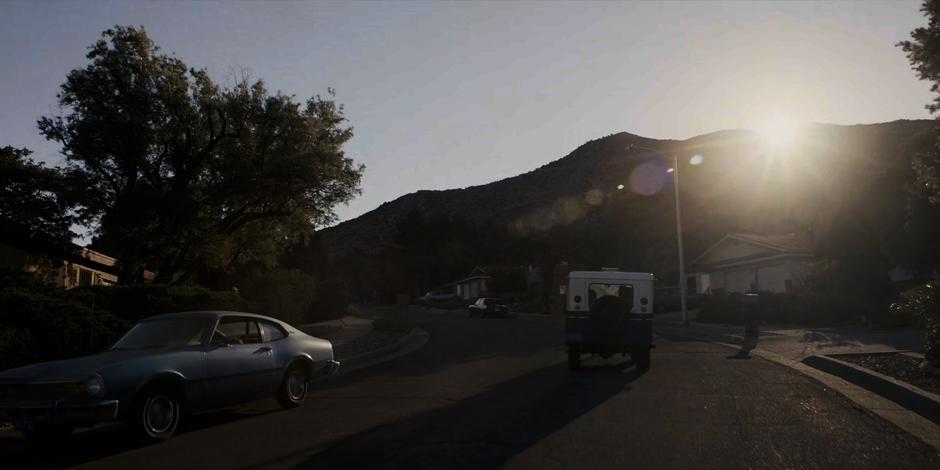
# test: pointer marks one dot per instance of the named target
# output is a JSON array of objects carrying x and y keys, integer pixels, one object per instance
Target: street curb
[
  {"x": 864, "y": 400},
  {"x": 411, "y": 342},
  {"x": 919, "y": 401}
]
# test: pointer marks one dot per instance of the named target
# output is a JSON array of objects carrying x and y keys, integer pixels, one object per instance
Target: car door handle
[{"x": 263, "y": 349}]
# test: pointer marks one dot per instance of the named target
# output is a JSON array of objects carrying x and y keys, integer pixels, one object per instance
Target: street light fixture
[{"x": 675, "y": 185}]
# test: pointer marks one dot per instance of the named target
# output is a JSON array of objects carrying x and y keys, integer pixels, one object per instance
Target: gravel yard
[{"x": 899, "y": 366}]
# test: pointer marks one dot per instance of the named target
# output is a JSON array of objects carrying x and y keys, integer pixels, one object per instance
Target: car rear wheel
[
  {"x": 293, "y": 389},
  {"x": 156, "y": 415}
]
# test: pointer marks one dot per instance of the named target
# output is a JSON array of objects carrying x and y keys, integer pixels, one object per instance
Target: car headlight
[{"x": 94, "y": 385}]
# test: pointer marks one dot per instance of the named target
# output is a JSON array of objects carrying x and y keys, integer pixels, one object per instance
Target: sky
[{"x": 454, "y": 94}]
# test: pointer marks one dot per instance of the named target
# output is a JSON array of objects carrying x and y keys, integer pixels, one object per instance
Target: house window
[
  {"x": 73, "y": 277},
  {"x": 84, "y": 277}
]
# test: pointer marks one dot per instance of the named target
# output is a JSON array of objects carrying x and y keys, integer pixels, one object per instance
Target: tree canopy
[
  {"x": 33, "y": 197},
  {"x": 183, "y": 175},
  {"x": 923, "y": 51}
]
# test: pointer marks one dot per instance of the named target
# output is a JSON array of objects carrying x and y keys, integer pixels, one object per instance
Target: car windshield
[{"x": 165, "y": 333}]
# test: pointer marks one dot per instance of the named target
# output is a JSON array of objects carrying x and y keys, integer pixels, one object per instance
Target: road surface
[{"x": 486, "y": 393}]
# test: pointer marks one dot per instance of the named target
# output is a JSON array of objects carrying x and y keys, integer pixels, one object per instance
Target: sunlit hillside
[{"x": 611, "y": 203}]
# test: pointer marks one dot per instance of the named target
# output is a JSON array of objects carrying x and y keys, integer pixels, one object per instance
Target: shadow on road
[
  {"x": 102, "y": 441},
  {"x": 485, "y": 430}
]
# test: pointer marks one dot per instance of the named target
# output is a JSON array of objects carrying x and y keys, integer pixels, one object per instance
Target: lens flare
[
  {"x": 696, "y": 159},
  {"x": 648, "y": 178}
]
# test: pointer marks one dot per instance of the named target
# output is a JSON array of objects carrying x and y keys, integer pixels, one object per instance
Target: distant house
[
  {"x": 741, "y": 262},
  {"x": 500, "y": 281},
  {"x": 62, "y": 264},
  {"x": 477, "y": 284}
]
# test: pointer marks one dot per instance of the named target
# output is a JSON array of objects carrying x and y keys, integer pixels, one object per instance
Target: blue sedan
[{"x": 164, "y": 367}]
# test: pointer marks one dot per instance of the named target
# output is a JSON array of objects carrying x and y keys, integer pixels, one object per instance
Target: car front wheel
[
  {"x": 293, "y": 389},
  {"x": 156, "y": 415}
]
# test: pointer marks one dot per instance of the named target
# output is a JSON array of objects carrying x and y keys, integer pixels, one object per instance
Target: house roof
[
  {"x": 786, "y": 242},
  {"x": 777, "y": 245}
]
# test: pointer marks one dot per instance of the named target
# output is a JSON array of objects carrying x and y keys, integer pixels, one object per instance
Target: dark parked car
[
  {"x": 165, "y": 366},
  {"x": 487, "y": 307}
]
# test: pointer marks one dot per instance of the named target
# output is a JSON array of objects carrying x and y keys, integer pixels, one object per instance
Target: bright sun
[{"x": 780, "y": 130}]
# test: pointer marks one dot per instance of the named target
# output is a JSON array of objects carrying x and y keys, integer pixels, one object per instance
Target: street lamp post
[{"x": 675, "y": 185}]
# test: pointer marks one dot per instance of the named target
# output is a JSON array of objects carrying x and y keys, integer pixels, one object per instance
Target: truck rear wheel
[{"x": 574, "y": 359}]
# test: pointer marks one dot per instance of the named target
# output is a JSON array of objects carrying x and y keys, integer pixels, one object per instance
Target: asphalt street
[{"x": 487, "y": 393}]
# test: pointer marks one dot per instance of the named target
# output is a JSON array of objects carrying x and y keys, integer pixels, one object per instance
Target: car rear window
[
  {"x": 272, "y": 331},
  {"x": 622, "y": 292}
]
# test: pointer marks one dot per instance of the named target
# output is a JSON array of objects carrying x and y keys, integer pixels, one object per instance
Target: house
[
  {"x": 71, "y": 267},
  {"x": 477, "y": 284},
  {"x": 60, "y": 263},
  {"x": 742, "y": 262}
]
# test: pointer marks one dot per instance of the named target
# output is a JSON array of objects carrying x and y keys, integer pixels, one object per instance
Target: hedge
[
  {"x": 805, "y": 309},
  {"x": 39, "y": 322},
  {"x": 923, "y": 305}
]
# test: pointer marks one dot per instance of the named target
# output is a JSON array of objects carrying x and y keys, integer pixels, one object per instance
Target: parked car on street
[
  {"x": 165, "y": 366},
  {"x": 487, "y": 307}
]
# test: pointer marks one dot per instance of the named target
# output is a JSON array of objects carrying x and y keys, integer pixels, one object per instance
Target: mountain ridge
[{"x": 599, "y": 165}]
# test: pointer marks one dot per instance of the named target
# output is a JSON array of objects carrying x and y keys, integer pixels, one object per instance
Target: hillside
[{"x": 833, "y": 176}]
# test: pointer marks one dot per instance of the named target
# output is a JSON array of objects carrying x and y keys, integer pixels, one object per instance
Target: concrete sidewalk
[{"x": 798, "y": 343}]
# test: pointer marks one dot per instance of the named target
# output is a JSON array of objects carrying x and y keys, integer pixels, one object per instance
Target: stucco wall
[{"x": 770, "y": 276}]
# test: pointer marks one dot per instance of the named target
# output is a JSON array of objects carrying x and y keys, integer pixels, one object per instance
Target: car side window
[
  {"x": 272, "y": 332},
  {"x": 254, "y": 333},
  {"x": 230, "y": 330}
]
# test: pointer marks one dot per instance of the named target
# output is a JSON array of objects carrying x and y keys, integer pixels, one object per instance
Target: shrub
[
  {"x": 40, "y": 322},
  {"x": 332, "y": 301},
  {"x": 721, "y": 308},
  {"x": 287, "y": 294},
  {"x": 44, "y": 323},
  {"x": 812, "y": 308},
  {"x": 923, "y": 303},
  {"x": 135, "y": 302}
]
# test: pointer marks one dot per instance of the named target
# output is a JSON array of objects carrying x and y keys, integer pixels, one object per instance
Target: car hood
[{"x": 76, "y": 369}]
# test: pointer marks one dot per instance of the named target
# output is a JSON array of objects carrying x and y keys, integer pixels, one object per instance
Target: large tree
[
  {"x": 34, "y": 199},
  {"x": 184, "y": 175},
  {"x": 923, "y": 51}
]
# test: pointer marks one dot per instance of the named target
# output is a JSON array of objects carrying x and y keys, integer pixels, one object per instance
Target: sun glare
[{"x": 780, "y": 130}]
